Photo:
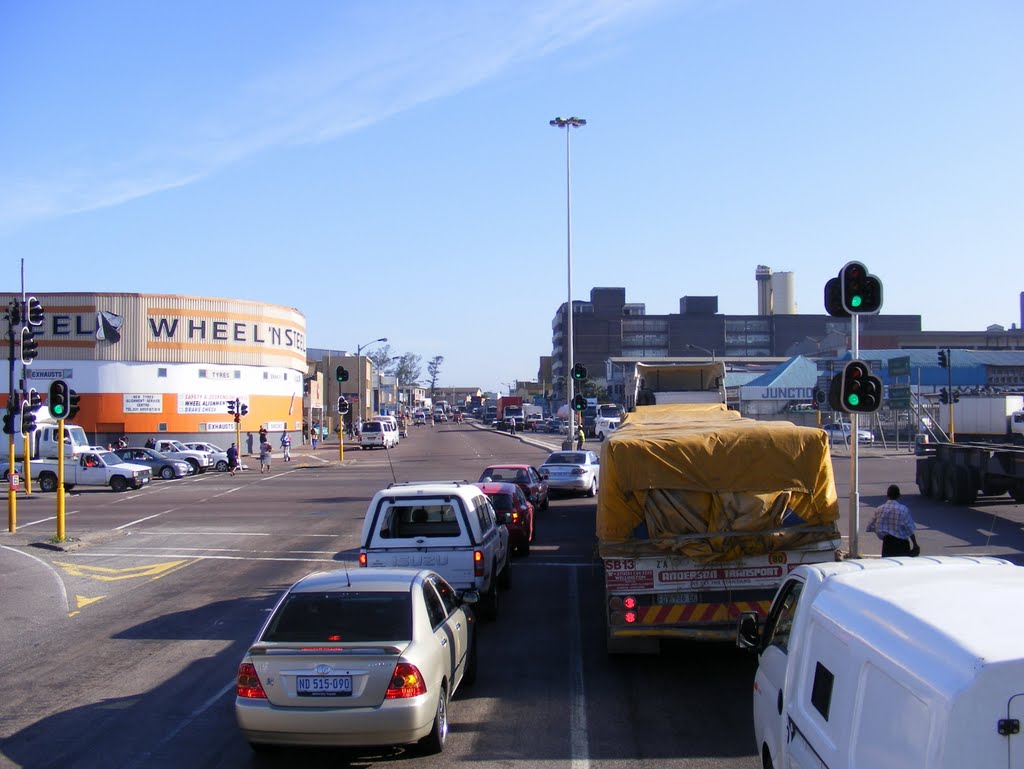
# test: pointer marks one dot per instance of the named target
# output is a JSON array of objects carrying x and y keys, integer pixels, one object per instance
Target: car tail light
[
  {"x": 515, "y": 517},
  {"x": 249, "y": 686},
  {"x": 362, "y": 559},
  {"x": 578, "y": 471},
  {"x": 406, "y": 681},
  {"x": 478, "y": 563}
]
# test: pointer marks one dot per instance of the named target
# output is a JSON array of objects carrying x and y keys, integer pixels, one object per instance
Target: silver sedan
[
  {"x": 574, "y": 472},
  {"x": 358, "y": 657}
]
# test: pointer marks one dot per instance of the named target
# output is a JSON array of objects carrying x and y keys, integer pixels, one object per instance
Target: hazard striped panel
[{"x": 688, "y": 613}]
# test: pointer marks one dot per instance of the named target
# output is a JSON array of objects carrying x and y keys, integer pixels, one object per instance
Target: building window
[
  {"x": 161, "y": 372},
  {"x": 202, "y": 373},
  {"x": 162, "y": 427}
]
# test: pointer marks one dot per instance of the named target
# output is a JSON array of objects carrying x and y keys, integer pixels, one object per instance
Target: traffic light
[
  {"x": 35, "y": 312},
  {"x": 29, "y": 345},
  {"x": 306, "y": 386},
  {"x": 862, "y": 293},
  {"x": 28, "y": 418},
  {"x": 243, "y": 409},
  {"x": 944, "y": 395},
  {"x": 58, "y": 400},
  {"x": 8, "y": 421},
  {"x": 342, "y": 405},
  {"x": 342, "y": 374},
  {"x": 233, "y": 406},
  {"x": 579, "y": 372},
  {"x": 73, "y": 399},
  {"x": 579, "y": 403},
  {"x": 956, "y": 396},
  {"x": 834, "y": 299},
  {"x": 34, "y": 400},
  {"x": 944, "y": 358},
  {"x": 860, "y": 391}
]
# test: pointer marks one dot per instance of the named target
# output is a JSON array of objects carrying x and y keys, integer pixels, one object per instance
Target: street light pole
[
  {"x": 702, "y": 349},
  {"x": 359, "y": 373},
  {"x": 568, "y": 123}
]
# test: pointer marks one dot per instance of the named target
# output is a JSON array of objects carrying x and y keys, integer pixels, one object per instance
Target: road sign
[
  {"x": 899, "y": 396},
  {"x": 899, "y": 366}
]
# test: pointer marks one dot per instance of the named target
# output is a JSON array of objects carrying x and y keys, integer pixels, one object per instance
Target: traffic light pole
[
  {"x": 60, "y": 480},
  {"x": 855, "y": 450},
  {"x": 949, "y": 378},
  {"x": 12, "y": 493}
]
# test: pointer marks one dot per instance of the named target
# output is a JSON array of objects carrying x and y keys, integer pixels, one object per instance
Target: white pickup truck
[
  {"x": 449, "y": 527},
  {"x": 90, "y": 468},
  {"x": 199, "y": 461}
]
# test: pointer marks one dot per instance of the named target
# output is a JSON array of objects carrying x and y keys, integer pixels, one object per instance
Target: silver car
[
  {"x": 217, "y": 454},
  {"x": 574, "y": 472},
  {"x": 358, "y": 657},
  {"x": 839, "y": 432}
]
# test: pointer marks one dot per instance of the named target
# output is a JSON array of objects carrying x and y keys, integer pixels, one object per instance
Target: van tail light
[
  {"x": 249, "y": 686},
  {"x": 362, "y": 559},
  {"x": 478, "y": 563},
  {"x": 406, "y": 681}
]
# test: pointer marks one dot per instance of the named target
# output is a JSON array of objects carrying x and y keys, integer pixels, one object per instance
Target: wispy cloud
[{"x": 351, "y": 77}]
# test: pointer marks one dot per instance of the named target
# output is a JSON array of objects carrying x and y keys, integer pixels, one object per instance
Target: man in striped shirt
[{"x": 893, "y": 525}]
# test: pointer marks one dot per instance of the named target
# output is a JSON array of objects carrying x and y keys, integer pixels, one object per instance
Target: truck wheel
[
  {"x": 924, "y": 476},
  {"x": 118, "y": 483},
  {"x": 47, "y": 482},
  {"x": 959, "y": 490},
  {"x": 938, "y": 482}
]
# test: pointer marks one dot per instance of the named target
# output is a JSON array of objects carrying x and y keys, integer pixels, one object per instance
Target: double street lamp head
[{"x": 566, "y": 122}]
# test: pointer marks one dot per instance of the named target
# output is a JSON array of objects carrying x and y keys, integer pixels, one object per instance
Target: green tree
[
  {"x": 406, "y": 369},
  {"x": 434, "y": 370}
]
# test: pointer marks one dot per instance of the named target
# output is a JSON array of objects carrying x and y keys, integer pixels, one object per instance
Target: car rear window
[
  {"x": 566, "y": 459},
  {"x": 420, "y": 520},
  {"x": 342, "y": 616},
  {"x": 502, "y": 502},
  {"x": 372, "y": 427}
]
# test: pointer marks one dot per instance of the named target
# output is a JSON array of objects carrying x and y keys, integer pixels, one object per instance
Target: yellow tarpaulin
[{"x": 703, "y": 481}]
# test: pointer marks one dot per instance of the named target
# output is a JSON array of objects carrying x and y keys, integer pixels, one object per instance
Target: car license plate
[
  {"x": 668, "y": 599},
  {"x": 323, "y": 686}
]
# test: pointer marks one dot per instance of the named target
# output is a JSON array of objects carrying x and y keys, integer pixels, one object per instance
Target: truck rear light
[
  {"x": 629, "y": 602},
  {"x": 406, "y": 681},
  {"x": 362, "y": 559},
  {"x": 248, "y": 684},
  {"x": 478, "y": 563}
]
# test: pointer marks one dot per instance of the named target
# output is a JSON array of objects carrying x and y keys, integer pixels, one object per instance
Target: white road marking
[
  {"x": 53, "y": 571},
  {"x": 578, "y": 738},
  {"x": 147, "y": 518}
]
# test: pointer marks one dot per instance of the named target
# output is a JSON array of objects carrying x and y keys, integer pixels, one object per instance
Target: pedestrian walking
[
  {"x": 314, "y": 435},
  {"x": 265, "y": 451},
  {"x": 512, "y": 425},
  {"x": 893, "y": 524},
  {"x": 580, "y": 437},
  {"x": 286, "y": 447},
  {"x": 232, "y": 459},
  {"x": 263, "y": 434}
]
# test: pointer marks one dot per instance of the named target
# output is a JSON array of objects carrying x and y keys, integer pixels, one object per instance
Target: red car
[
  {"x": 513, "y": 510},
  {"x": 528, "y": 478}
]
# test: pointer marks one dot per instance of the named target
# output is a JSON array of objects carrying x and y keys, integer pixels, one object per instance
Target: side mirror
[
  {"x": 748, "y": 632},
  {"x": 470, "y": 596}
]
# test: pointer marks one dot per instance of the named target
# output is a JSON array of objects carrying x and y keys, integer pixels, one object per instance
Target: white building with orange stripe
[{"x": 162, "y": 365}]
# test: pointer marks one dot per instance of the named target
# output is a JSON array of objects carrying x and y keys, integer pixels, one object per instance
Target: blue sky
[{"x": 388, "y": 168}]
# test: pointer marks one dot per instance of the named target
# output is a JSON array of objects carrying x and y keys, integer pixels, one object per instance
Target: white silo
[{"x": 783, "y": 293}]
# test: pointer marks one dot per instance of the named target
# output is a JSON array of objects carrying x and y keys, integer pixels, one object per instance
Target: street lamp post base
[{"x": 567, "y": 444}]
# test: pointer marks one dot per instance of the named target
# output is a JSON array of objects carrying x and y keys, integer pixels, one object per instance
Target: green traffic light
[
  {"x": 856, "y": 301},
  {"x": 853, "y": 399},
  {"x": 58, "y": 410}
]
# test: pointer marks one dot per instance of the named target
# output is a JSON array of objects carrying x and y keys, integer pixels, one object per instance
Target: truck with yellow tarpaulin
[{"x": 702, "y": 512}]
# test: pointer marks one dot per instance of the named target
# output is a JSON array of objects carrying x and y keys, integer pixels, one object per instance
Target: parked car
[
  {"x": 448, "y": 525},
  {"x": 574, "y": 472},
  {"x": 358, "y": 657},
  {"x": 160, "y": 466},
  {"x": 839, "y": 432},
  {"x": 200, "y": 461},
  {"x": 515, "y": 511},
  {"x": 217, "y": 454},
  {"x": 526, "y": 477}
]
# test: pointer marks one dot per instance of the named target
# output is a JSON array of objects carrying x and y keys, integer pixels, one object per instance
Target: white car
[
  {"x": 217, "y": 454},
  {"x": 839, "y": 432},
  {"x": 358, "y": 657},
  {"x": 573, "y": 472}
]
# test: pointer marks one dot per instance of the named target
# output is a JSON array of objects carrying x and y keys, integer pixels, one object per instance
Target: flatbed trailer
[{"x": 961, "y": 472}]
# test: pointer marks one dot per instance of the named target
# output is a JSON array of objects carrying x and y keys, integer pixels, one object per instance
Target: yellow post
[
  {"x": 27, "y": 470},
  {"x": 12, "y": 495},
  {"x": 60, "y": 480},
  {"x": 341, "y": 439}
]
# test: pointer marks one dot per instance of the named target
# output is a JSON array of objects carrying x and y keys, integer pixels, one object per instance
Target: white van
[
  {"x": 891, "y": 662},
  {"x": 390, "y": 428}
]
